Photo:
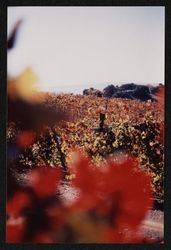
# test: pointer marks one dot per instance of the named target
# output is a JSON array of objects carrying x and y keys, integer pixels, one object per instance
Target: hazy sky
[{"x": 85, "y": 46}]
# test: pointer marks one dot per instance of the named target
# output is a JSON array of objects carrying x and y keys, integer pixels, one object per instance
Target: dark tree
[{"x": 12, "y": 38}]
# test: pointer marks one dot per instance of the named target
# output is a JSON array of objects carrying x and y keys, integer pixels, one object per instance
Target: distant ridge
[
  {"x": 77, "y": 89},
  {"x": 132, "y": 91}
]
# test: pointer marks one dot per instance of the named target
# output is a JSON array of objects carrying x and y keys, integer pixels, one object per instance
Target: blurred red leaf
[
  {"x": 42, "y": 237},
  {"x": 56, "y": 214},
  {"x": 15, "y": 228},
  {"x": 44, "y": 180},
  {"x": 122, "y": 191},
  {"x": 25, "y": 139},
  {"x": 87, "y": 181},
  {"x": 19, "y": 201},
  {"x": 128, "y": 191}
]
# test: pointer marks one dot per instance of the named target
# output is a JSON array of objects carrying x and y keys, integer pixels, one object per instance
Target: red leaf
[
  {"x": 15, "y": 205},
  {"x": 15, "y": 225},
  {"x": 25, "y": 139},
  {"x": 87, "y": 181},
  {"x": 42, "y": 237},
  {"x": 44, "y": 181},
  {"x": 15, "y": 229},
  {"x": 129, "y": 191},
  {"x": 123, "y": 191}
]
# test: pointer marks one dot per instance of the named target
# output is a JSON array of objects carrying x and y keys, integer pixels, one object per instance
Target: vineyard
[{"x": 108, "y": 152}]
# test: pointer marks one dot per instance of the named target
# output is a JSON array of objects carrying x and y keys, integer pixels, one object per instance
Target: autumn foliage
[{"x": 68, "y": 181}]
